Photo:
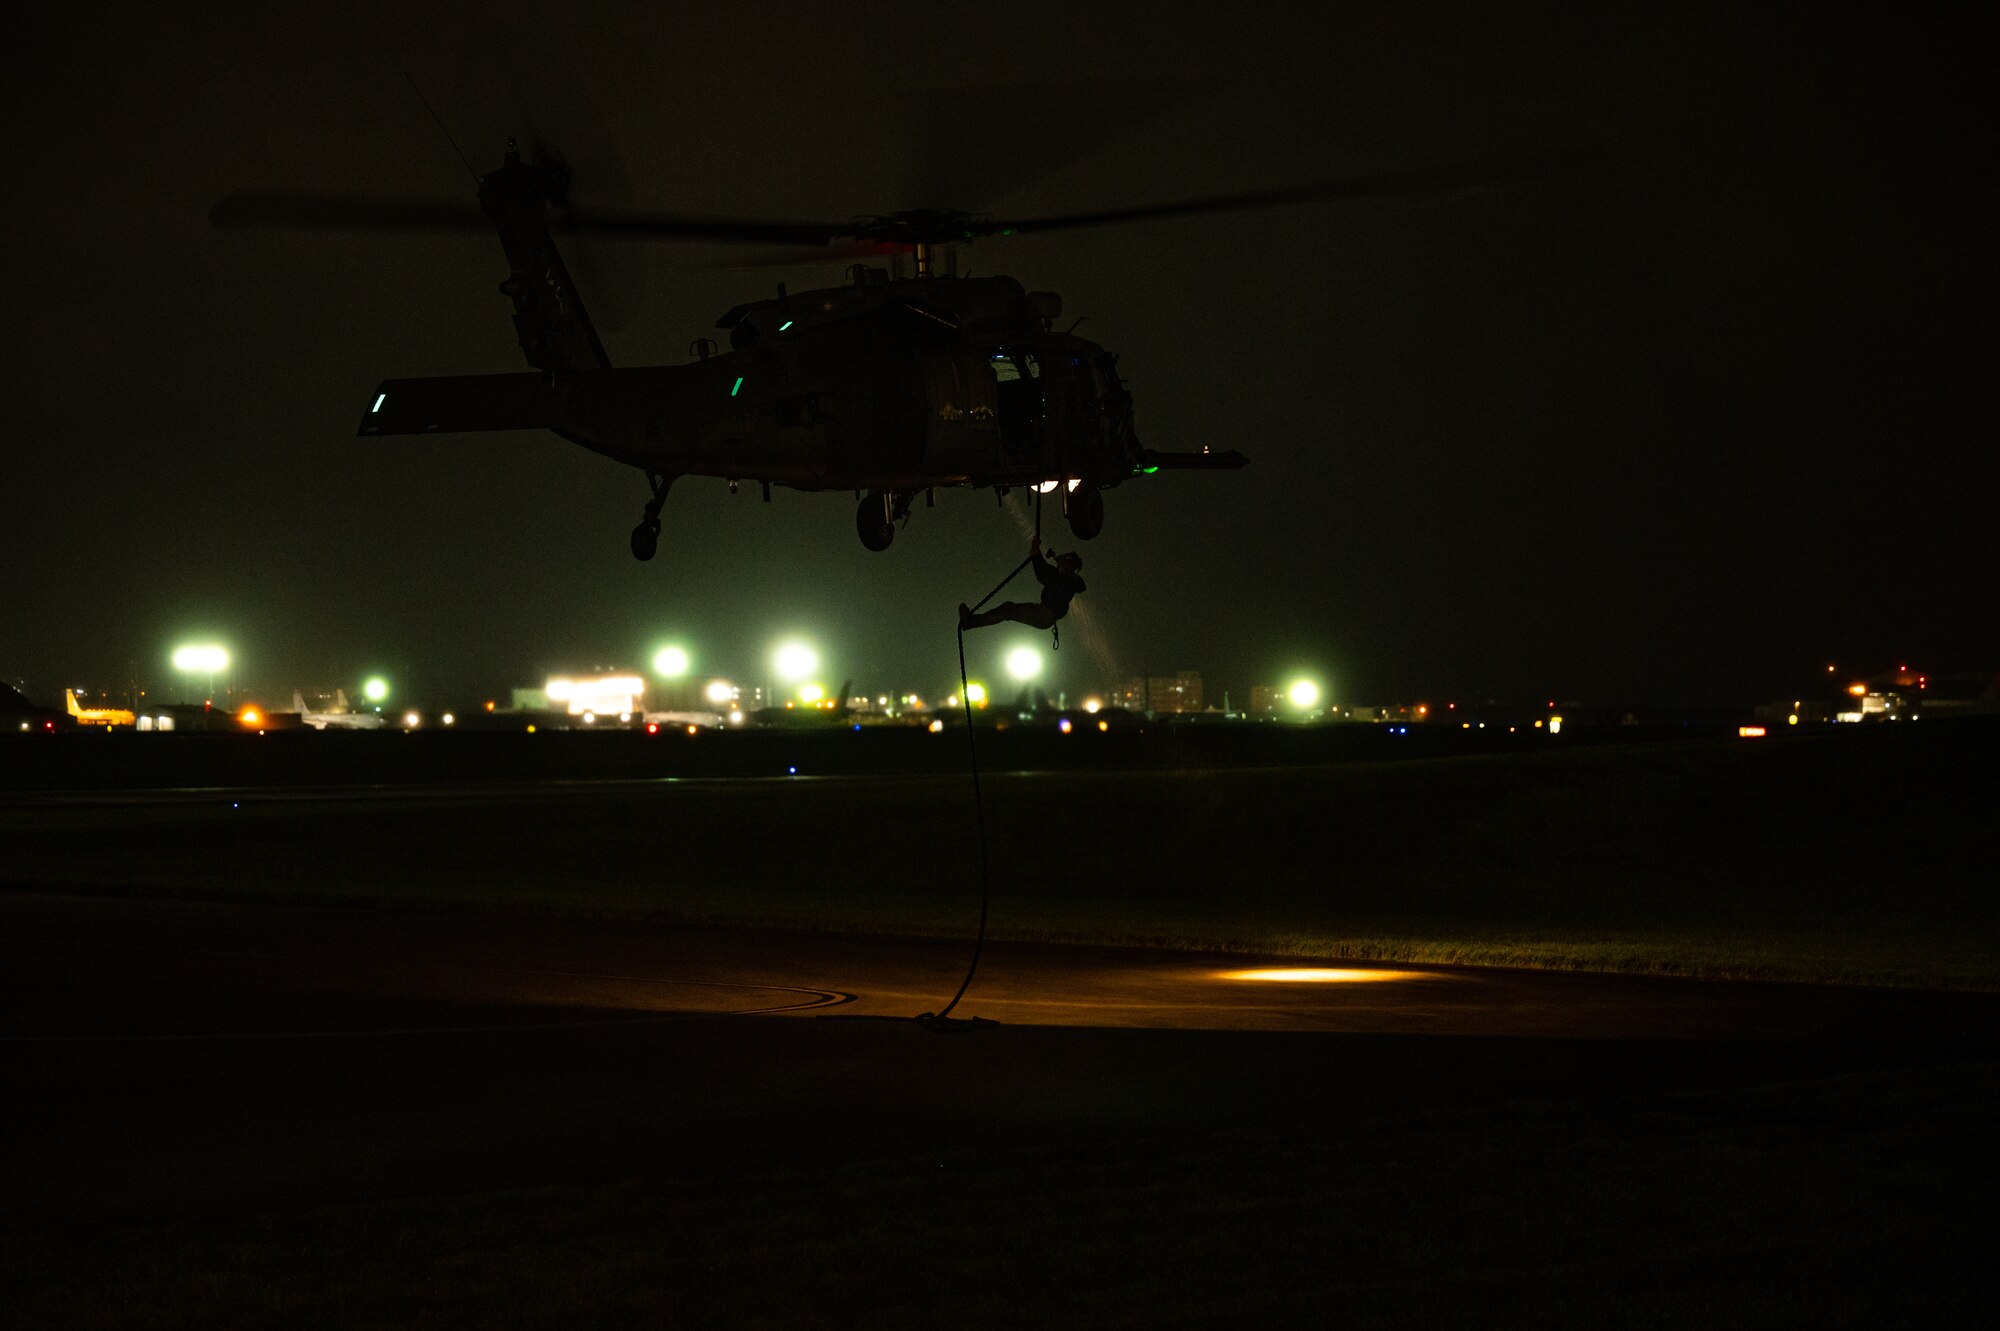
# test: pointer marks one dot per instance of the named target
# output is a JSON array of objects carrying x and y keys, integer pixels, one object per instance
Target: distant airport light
[
  {"x": 671, "y": 662},
  {"x": 1555, "y": 725},
  {"x": 1104, "y": 725},
  {"x": 204, "y": 659},
  {"x": 1323, "y": 975},
  {"x": 812, "y": 693},
  {"x": 1792, "y": 720},
  {"x": 937, "y": 727},
  {"x": 612, "y": 695},
  {"x": 1858, "y": 690},
  {"x": 375, "y": 689},
  {"x": 735, "y": 718},
  {"x": 250, "y": 716},
  {"x": 1093, "y": 705},
  {"x": 1024, "y": 663},
  {"x": 411, "y": 720},
  {"x": 1063, "y": 725},
  {"x": 794, "y": 660},
  {"x": 720, "y": 691},
  {"x": 449, "y": 719},
  {"x": 1750, "y": 732},
  {"x": 1304, "y": 694},
  {"x": 975, "y": 693}
]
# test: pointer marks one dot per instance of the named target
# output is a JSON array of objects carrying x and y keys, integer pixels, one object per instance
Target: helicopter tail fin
[{"x": 555, "y": 332}]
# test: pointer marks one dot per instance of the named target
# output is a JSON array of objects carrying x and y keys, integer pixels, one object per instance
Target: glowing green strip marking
[
  {"x": 786, "y": 324},
  {"x": 379, "y": 400},
  {"x": 739, "y": 386}
]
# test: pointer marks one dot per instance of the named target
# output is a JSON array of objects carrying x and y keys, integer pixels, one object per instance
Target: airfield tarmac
[{"x": 168, "y": 1057}]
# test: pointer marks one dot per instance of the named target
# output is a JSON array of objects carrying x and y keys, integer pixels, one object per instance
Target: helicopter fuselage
[
  {"x": 886, "y": 397},
  {"x": 889, "y": 387}
]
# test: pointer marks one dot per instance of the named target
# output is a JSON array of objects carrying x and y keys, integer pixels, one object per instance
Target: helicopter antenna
[{"x": 440, "y": 124}]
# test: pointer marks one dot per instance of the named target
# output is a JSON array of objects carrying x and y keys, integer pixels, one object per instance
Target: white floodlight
[
  {"x": 671, "y": 662},
  {"x": 794, "y": 660},
  {"x": 1024, "y": 663}
]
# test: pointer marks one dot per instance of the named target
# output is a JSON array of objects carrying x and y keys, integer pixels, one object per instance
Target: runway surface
[{"x": 167, "y": 1057}]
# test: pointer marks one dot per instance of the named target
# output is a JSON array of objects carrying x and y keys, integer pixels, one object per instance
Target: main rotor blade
[
  {"x": 849, "y": 252},
  {"x": 343, "y": 211},
  {"x": 1435, "y": 180},
  {"x": 667, "y": 226},
  {"x": 279, "y": 208}
]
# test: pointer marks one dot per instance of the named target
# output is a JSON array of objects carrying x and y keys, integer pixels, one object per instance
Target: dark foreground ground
[{"x": 258, "y": 1075}]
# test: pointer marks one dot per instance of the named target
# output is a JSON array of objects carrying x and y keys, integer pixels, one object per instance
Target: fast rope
[{"x": 941, "y": 1020}]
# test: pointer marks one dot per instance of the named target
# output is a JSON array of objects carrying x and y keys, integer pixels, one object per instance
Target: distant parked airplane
[
  {"x": 97, "y": 716},
  {"x": 342, "y": 717}
]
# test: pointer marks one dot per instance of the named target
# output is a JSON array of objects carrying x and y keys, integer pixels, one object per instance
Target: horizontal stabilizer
[
  {"x": 462, "y": 402},
  {"x": 1202, "y": 461}
]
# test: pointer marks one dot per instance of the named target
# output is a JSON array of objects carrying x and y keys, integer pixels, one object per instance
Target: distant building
[
  {"x": 1961, "y": 695},
  {"x": 1179, "y": 692},
  {"x": 1894, "y": 695},
  {"x": 1266, "y": 698}
]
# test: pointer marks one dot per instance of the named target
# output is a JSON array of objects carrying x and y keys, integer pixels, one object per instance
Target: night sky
[{"x": 1682, "y": 430}]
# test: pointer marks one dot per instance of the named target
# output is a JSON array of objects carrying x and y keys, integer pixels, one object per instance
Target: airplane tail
[
  {"x": 340, "y": 701},
  {"x": 69, "y": 699},
  {"x": 298, "y": 702}
]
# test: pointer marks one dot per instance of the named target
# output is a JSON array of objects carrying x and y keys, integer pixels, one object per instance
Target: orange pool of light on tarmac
[{"x": 1323, "y": 975}]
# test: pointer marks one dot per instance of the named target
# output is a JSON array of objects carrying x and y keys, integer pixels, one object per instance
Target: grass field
[{"x": 1846, "y": 858}]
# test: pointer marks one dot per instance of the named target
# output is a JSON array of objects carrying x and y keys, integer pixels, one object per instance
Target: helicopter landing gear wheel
[
  {"x": 646, "y": 536},
  {"x": 875, "y": 522},
  {"x": 1084, "y": 506}
]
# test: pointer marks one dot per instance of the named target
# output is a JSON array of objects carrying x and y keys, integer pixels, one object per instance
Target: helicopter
[{"x": 889, "y": 386}]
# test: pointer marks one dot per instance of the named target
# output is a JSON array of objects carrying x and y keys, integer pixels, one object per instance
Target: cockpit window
[{"x": 1011, "y": 367}]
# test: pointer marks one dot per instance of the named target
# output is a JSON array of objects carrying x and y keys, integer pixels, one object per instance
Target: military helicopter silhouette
[{"x": 889, "y": 386}]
